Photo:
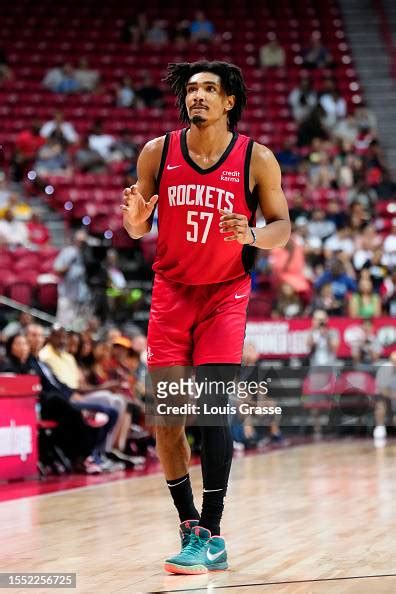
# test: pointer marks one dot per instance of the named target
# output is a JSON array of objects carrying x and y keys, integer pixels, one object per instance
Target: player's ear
[{"x": 230, "y": 102}]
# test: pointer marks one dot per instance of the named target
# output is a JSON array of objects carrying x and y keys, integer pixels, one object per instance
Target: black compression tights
[{"x": 216, "y": 444}]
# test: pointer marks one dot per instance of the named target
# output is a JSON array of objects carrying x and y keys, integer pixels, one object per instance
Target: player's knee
[{"x": 169, "y": 435}]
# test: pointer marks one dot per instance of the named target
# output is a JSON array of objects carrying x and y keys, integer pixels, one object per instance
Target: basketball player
[{"x": 207, "y": 180}]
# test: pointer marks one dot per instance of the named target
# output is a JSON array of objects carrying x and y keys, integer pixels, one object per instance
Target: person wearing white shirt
[
  {"x": 101, "y": 142},
  {"x": 65, "y": 129},
  {"x": 389, "y": 258},
  {"x": 339, "y": 242},
  {"x": 13, "y": 232}
]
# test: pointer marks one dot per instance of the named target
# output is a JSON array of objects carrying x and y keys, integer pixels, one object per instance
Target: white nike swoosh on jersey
[
  {"x": 214, "y": 556},
  {"x": 239, "y": 296},
  {"x": 173, "y": 167}
]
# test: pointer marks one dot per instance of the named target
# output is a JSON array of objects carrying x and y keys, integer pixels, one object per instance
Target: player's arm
[
  {"x": 266, "y": 178},
  {"x": 140, "y": 199}
]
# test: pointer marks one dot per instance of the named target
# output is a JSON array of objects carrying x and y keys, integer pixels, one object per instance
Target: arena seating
[{"x": 93, "y": 29}]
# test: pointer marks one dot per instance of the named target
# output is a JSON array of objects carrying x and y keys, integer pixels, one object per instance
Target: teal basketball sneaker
[
  {"x": 185, "y": 532},
  {"x": 203, "y": 553}
]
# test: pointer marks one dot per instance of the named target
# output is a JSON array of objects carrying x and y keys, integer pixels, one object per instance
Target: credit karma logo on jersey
[{"x": 231, "y": 176}]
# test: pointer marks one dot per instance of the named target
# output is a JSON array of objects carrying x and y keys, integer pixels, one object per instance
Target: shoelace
[{"x": 195, "y": 545}]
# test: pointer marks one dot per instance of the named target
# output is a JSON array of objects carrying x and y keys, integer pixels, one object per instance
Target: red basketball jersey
[{"x": 190, "y": 247}]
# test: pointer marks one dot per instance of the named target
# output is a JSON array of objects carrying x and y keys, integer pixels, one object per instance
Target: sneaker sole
[
  {"x": 220, "y": 567},
  {"x": 185, "y": 569}
]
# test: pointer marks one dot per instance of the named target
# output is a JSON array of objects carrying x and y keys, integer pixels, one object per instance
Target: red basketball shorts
[{"x": 197, "y": 324}]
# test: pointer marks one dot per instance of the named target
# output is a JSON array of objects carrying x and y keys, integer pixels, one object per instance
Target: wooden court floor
[{"x": 315, "y": 519}]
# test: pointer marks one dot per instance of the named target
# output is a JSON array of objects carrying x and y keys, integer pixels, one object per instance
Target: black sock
[
  {"x": 182, "y": 496},
  {"x": 212, "y": 510}
]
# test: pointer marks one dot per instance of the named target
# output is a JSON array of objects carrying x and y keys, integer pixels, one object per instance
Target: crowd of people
[
  {"x": 93, "y": 385},
  {"x": 340, "y": 260}
]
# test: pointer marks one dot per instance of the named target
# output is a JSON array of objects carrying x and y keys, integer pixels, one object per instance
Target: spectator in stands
[
  {"x": 367, "y": 349},
  {"x": 365, "y": 117},
  {"x": 134, "y": 32},
  {"x": 22, "y": 211},
  {"x": 27, "y": 144},
  {"x": 358, "y": 217},
  {"x": 312, "y": 127},
  {"x": 157, "y": 35},
  {"x": 52, "y": 158},
  {"x": 64, "y": 366},
  {"x": 365, "y": 303},
  {"x": 363, "y": 194},
  {"x": 125, "y": 93},
  {"x": 327, "y": 302},
  {"x": 72, "y": 435},
  {"x": 87, "y": 78},
  {"x": 69, "y": 82},
  {"x": 87, "y": 159},
  {"x": 101, "y": 142},
  {"x": 64, "y": 131},
  {"x": 17, "y": 326},
  {"x": 302, "y": 99},
  {"x": 246, "y": 433},
  {"x": 388, "y": 293},
  {"x": 288, "y": 157},
  {"x": 181, "y": 34},
  {"x": 322, "y": 342},
  {"x": 323, "y": 173},
  {"x": 389, "y": 258},
  {"x": 80, "y": 431},
  {"x": 17, "y": 350},
  {"x": 73, "y": 291},
  {"x": 334, "y": 105},
  {"x": 13, "y": 232},
  {"x": 385, "y": 405},
  {"x": 376, "y": 269},
  {"x": 346, "y": 129},
  {"x": 125, "y": 149},
  {"x": 201, "y": 29},
  {"x": 38, "y": 233},
  {"x": 149, "y": 94},
  {"x": 340, "y": 241},
  {"x": 5, "y": 193},
  {"x": 272, "y": 55},
  {"x": 101, "y": 376},
  {"x": 288, "y": 266},
  {"x": 53, "y": 77},
  {"x": 386, "y": 188},
  {"x": 316, "y": 55},
  {"x": 288, "y": 303},
  {"x": 365, "y": 245},
  {"x": 299, "y": 208},
  {"x": 341, "y": 282},
  {"x": 319, "y": 225},
  {"x": 336, "y": 212}
]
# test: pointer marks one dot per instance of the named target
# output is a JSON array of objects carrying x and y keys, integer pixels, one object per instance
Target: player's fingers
[
  {"x": 230, "y": 238},
  {"x": 134, "y": 189},
  {"x": 124, "y": 208},
  {"x": 234, "y": 225},
  {"x": 153, "y": 201},
  {"x": 227, "y": 216}
]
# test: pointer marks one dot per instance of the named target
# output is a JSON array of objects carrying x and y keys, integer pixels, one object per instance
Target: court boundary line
[{"x": 282, "y": 583}]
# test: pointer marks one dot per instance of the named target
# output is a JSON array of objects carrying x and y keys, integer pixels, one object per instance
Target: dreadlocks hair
[{"x": 231, "y": 78}]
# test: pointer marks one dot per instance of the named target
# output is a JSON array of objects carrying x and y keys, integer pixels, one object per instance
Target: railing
[{"x": 36, "y": 313}]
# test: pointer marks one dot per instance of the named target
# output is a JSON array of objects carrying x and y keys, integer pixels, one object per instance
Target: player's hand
[
  {"x": 135, "y": 210},
  {"x": 236, "y": 226}
]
